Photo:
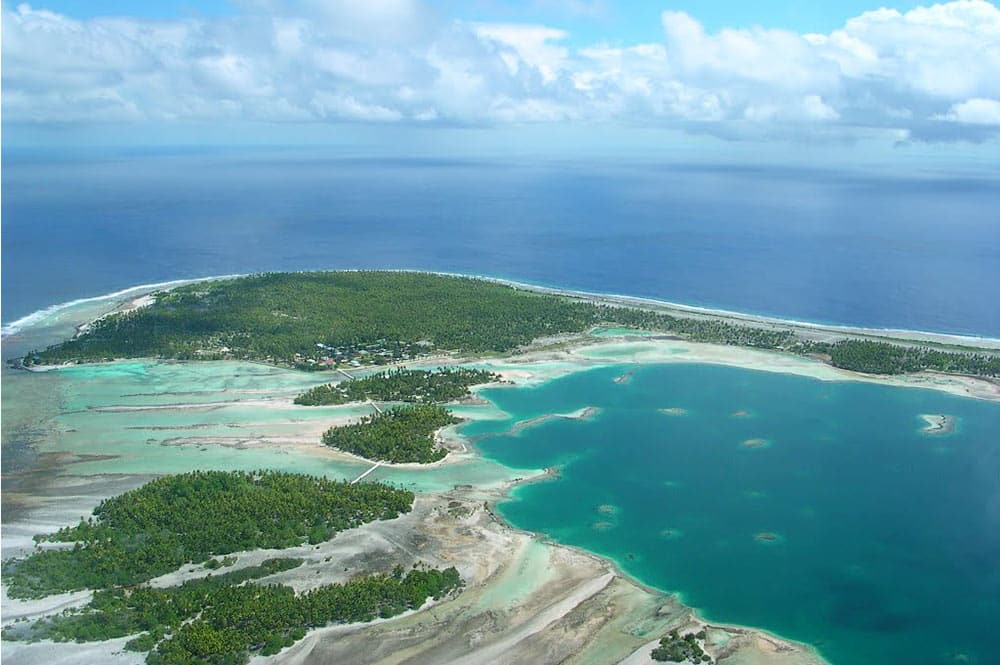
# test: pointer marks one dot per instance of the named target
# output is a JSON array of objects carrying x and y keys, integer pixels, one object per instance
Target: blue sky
[
  {"x": 587, "y": 21},
  {"x": 638, "y": 21},
  {"x": 773, "y": 70}
]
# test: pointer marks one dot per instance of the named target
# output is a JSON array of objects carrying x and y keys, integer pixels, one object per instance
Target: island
[
  {"x": 327, "y": 320},
  {"x": 444, "y": 384},
  {"x": 184, "y": 519},
  {"x": 403, "y": 434},
  {"x": 193, "y": 517},
  {"x": 221, "y": 566},
  {"x": 937, "y": 423}
]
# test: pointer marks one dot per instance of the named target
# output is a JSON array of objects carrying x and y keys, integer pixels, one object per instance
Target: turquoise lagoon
[
  {"x": 841, "y": 524},
  {"x": 847, "y": 528},
  {"x": 148, "y": 417}
]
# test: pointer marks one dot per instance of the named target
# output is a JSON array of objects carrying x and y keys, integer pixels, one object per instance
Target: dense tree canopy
[
  {"x": 223, "y": 621},
  {"x": 403, "y": 434},
  {"x": 241, "y": 620},
  {"x": 321, "y": 320},
  {"x": 117, "y": 611},
  {"x": 401, "y": 385},
  {"x": 353, "y": 316},
  {"x": 677, "y": 649},
  {"x": 174, "y": 520},
  {"x": 884, "y": 358}
]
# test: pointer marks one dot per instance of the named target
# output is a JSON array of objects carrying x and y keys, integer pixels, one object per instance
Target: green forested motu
[
  {"x": 320, "y": 320},
  {"x": 402, "y": 434},
  {"x": 192, "y": 517},
  {"x": 223, "y": 621},
  {"x": 351, "y": 315},
  {"x": 401, "y": 385}
]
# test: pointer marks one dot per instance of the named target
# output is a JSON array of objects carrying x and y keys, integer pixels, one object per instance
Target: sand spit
[
  {"x": 111, "y": 652},
  {"x": 525, "y": 601},
  {"x": 625, "y": 378},
  {"x": 938, "y": 424},
  {"x": 539, "y": 364},
  {"x": 732, "y": 645},
  {"x": 673, "y": 411},
  {"x": 585, "y": 413}
]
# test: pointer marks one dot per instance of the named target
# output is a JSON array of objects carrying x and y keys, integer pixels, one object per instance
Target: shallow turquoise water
[
  {"x": 886, "y": 541},
  {"x": 148, "y": 417}
]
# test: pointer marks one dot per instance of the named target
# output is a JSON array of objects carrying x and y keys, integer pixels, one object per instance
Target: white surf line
[
  {"x": 374, "y": 466},
  {"x": 16, "y": 326}
]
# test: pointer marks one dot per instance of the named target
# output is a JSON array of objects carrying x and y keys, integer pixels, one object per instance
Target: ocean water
[
  {"x": 881, "y": 542},
  {"x": 886, "y": 250},
  {"x": 845, "y": 527}
]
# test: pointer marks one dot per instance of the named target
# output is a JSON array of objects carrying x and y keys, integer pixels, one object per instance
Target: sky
[{"x": 796, "y": 72}]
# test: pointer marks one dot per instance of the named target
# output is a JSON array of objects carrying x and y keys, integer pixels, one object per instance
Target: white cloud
[
  {"x": 929, "y": 72},
  {"x": 528, "y": 44},
  {"x": 976, "y": 112}
]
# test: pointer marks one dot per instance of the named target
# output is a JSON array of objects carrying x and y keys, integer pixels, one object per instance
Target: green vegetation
[
  {"x": 224, "y": 562},
  {"x": 243, "y": 620},
  {"x": 326, "y": 318},
  {"x": 118, "y": 612},
  {"x": 193, "y": 517},
  {"x": 403, "y": 434},
  {"x": 698, "y": 329},
  {"x": 676, "y": 649},
  {"x": 411, "y": 385},
  {"x": 221, "y": 621},
  {"x": 321, "y": 320},
  {"x": 884, "y": 358},
  {"x": 866, "y": 356},
  {"x": 224, "y": 619}
]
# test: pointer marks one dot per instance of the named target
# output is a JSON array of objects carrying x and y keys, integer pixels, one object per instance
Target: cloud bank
[{"x": 929, "y": 73}]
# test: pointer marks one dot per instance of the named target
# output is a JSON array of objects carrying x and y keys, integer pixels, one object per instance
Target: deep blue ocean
[
  {"x": 881, "y": 543},
  {"x": 920, "y": 252}
]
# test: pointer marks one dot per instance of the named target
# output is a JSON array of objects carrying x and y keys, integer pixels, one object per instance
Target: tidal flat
[{"x": 613, "y": 459}]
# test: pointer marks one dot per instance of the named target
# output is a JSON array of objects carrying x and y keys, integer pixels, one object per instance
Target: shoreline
[
  {"x": 562, "y": 594},
  {"x": 696, "y": 614},
  {"x": 570, "y": 346},
  {"x": 979, "y": 387},
  {"x": 732, "y": 639},
  {"x": 683, "y": 309},
  {"x": 15, "y": 327},
  {"x": 902, "y": 334}
]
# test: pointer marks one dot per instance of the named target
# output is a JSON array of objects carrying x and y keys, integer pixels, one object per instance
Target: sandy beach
[
  {"x": 938, "y": 423},
  {"x": 526, "y": 600},
  {"x": 542, "y": 362}
]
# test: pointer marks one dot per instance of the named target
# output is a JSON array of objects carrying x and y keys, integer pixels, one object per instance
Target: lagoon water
[
  {"x": 890, "y": 249},
  {"x": 161, "y": 417},
  {"x": 875, "y": 542},
  {"x": 846, "y": 527}
]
